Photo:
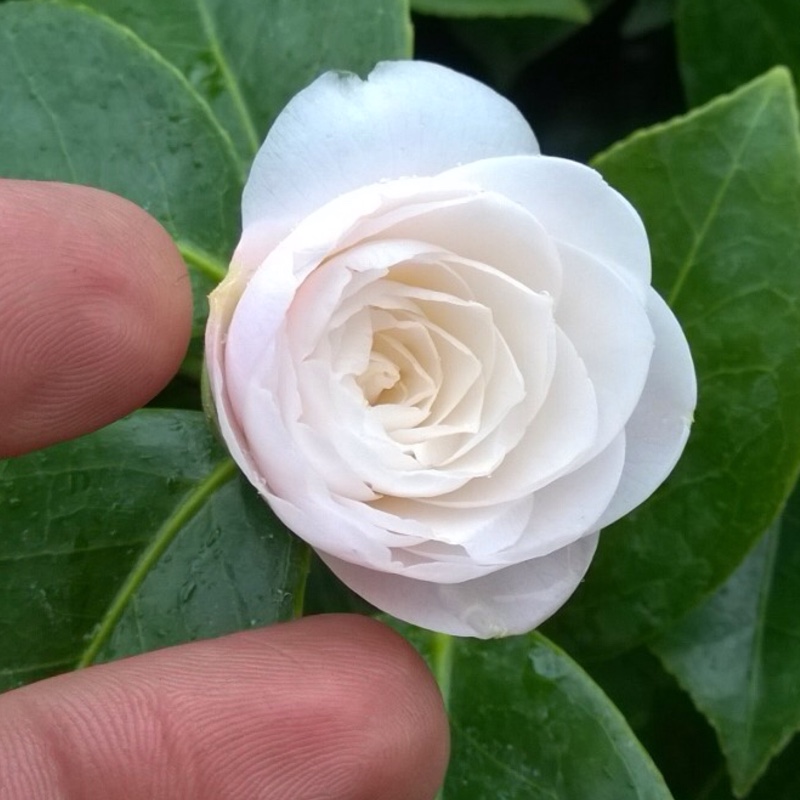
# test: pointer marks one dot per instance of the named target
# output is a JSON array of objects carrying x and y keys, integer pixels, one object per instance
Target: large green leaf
[
  {"x": 675, "y": 734},
  {"x": 722, "y": 44},
  {"x": 528, "y": 724},
  {"x": 83, "y": 101},
  {"x": 781, "y": 782},
  {"x": 570, "y": 10},
  {"x": 719, "y": 191},
  {"x": 738, "y": 655},
  {"x": 137, "y": 536},
  {"x": 249, "y": 57}
]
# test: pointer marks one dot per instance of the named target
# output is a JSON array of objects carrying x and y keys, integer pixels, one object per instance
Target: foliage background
[{"x": 675, "y": 670}]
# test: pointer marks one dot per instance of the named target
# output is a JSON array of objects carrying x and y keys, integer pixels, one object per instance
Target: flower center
[{"x": 380, "y": 375}]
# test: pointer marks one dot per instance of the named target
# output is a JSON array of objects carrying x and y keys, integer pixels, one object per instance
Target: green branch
[{"x": 202, "y": 261}]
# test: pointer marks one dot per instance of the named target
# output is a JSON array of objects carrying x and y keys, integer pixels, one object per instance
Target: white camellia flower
[{"x": 437, "y": 354}]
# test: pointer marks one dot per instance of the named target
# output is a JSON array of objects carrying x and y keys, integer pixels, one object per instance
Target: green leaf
[
  {"x": 528, "y": 724},
  {"x": 719, "y": 191},
  {"x": 723, "y": 44},
  {"x": 249, "y": 57},
  {"x": 648, "y": 16},
  {"x": 569, "y": 10},
  {"x": 781, "y": 782},
  {"x": 738, "y": 655},
  {"x": 675, "y": 734},
  {"x": 134, "y": 537},
  {"x": 83, "y": 101},
  {"x": 505, "y": 46}
]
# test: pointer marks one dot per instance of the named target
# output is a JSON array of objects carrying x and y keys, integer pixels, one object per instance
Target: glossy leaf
[
  {"x": 648, "y": 16},
  {"x": 675, "y": 734},
  {"x": 570, "y": 10},
  {"x": 528, "y": 724},
  {"x": 134, "y": 537},
  {"x": 506, "y": 46},
  {"x": 738, "y": 655},
  {"x": 83, "y": 101},
  {"x": 723, "y": 44},
  {"x": 781, "y": 781},
  {"x": 719, "y": 191},
  {"x": 249, "y": 57}
]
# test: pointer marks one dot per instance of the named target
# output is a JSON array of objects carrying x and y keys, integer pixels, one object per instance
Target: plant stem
[
  {"x": 203, "y": 262},
  {"x": 442, "y": 652},
  {"x": 299, "y": 601},
  {"x": 442, "y": 647}
]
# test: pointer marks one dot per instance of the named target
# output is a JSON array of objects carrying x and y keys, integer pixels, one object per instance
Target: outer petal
[
  {"x": 574, "y": 205},
  {"x": 506, "y": 602},
  {"x": 409, "y": 118},
  {"x": 223, "y": 303},
  {"x": 659, "y": 427},
  {"x": 568, "y": 509},
  {"x": 610, "y": 329}
]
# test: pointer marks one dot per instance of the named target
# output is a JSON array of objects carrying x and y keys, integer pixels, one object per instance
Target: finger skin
[
  {"x": 336, "y": 707},
  {"x": 95, "y": 311}
]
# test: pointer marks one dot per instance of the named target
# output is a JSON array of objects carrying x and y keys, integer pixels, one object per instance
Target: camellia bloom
[{"x": 437, "y": 354}]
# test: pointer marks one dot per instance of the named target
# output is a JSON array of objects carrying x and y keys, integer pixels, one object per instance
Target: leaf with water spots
[
  {"x": 247, "y": 58},
  {"x": 528, "y": 724},
  {"x": 134, "y": 537}
]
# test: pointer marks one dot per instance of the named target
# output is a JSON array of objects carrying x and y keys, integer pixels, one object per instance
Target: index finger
[{"x": 95, "y": 311}]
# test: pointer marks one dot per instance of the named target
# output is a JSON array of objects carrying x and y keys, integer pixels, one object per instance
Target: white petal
[
  {"x": 225, "y": 416},
  {"x": 379, "y": 542},
  {"x": 274, "y": 278},
  {"x": 609, "y": 327},
  {"x": 486, "y": 228},
  {"x": 569, "y": 508},
  {"x": 659, "y": 427},
  {"x": 510, "y": 601},
  {"x": 574, "y": 205},
  {"x": 408, "y": 118},
  {"x": 560, "y": 435},
  {"x": 478, "y": 530}
]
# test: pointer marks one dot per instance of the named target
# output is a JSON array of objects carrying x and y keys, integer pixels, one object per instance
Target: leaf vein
[
  {"x": 716, "y": 203},
  {"x": 186, "y": 510},
  {"x": 227, "y": 75}
]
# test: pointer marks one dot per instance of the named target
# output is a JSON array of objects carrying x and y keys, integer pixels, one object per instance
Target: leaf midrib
[
  {"x": 186, "y": 510},
  {"x": 699, "y": 238},
  {"x": 757, "y": 658}
]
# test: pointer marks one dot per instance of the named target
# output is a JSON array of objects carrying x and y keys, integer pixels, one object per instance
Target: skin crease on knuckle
[
  {"x": 95, "y": 311},
  {"x": 326, "y": 708}
]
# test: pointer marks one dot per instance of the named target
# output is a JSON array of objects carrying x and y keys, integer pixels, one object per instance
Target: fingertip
[
  {"x": 95, "y": 311},
  {"x": 350, "y": 708},
  {"x": 333, "y": 706},
  {"x": 387, "y": 699}
]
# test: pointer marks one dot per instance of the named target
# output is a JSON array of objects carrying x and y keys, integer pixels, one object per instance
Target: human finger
[
  {"x": 336, "y": 706},
  {"x": 95, "y": 311}
]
